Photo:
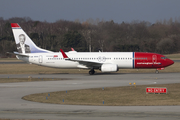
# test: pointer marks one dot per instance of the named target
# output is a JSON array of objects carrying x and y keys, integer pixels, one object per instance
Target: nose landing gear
[{"x": 157, "y": 70}]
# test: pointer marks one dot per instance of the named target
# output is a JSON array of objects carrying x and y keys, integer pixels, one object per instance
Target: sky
[{"x": 71, "y": 10}]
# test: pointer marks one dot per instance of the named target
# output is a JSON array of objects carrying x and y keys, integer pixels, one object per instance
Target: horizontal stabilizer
[{"x": 16, "y": 53}]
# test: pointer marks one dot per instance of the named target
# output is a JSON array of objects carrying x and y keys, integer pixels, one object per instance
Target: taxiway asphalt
[{"x": 13, "y": 107}]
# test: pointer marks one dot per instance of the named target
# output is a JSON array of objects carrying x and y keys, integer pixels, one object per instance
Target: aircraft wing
[{"x": 88, "y": 64}]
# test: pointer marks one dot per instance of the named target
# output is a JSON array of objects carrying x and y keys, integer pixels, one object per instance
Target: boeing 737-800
[{"x": 103, "y": 61}]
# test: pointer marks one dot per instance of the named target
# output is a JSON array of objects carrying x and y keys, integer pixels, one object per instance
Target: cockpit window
[{"x": 163, "y": 57}]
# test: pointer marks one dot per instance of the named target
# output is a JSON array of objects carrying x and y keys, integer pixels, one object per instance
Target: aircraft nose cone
[{"x": 170, "y": 62}]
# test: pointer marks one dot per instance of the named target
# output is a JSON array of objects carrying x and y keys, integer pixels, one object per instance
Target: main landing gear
[{"x": 91, "y": 72}]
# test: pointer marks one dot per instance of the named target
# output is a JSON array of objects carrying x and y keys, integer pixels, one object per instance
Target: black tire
[{"x": 91, "y": 72}]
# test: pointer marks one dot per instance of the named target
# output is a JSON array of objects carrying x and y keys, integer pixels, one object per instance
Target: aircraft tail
[{"x": 23, "y": 42}]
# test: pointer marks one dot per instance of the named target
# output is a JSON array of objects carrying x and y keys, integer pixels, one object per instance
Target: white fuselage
[{"x": 56, "y": 60}]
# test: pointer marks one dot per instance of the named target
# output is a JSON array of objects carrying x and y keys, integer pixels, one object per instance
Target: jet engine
[{"x": 109, "y": 68}]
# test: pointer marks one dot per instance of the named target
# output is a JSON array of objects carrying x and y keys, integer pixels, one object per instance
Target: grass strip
[
  {"x": 173, "y": 56},
  {"x": 115, "y": 96}
]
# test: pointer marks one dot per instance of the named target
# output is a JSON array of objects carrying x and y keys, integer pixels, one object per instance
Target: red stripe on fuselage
[{"x": 148, "y": 60}]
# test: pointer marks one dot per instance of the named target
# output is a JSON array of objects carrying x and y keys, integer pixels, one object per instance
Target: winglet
[
  {"x": 72, "y": 49},
  {"x": 64, "y": 55}
]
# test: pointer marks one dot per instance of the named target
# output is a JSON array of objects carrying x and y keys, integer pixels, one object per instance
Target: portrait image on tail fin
[{"x": 21, "y": 46}]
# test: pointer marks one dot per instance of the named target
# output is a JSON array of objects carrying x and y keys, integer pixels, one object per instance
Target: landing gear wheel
[
  {"x": 91, "y": 72},
  {"x": 156, "y": 71}
]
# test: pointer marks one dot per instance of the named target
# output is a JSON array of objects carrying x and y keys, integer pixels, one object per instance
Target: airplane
[{"x": 103, "y": 61}]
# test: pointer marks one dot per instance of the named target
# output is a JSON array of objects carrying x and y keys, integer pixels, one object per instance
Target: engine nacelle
[{"x": 109, "y": 68}]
